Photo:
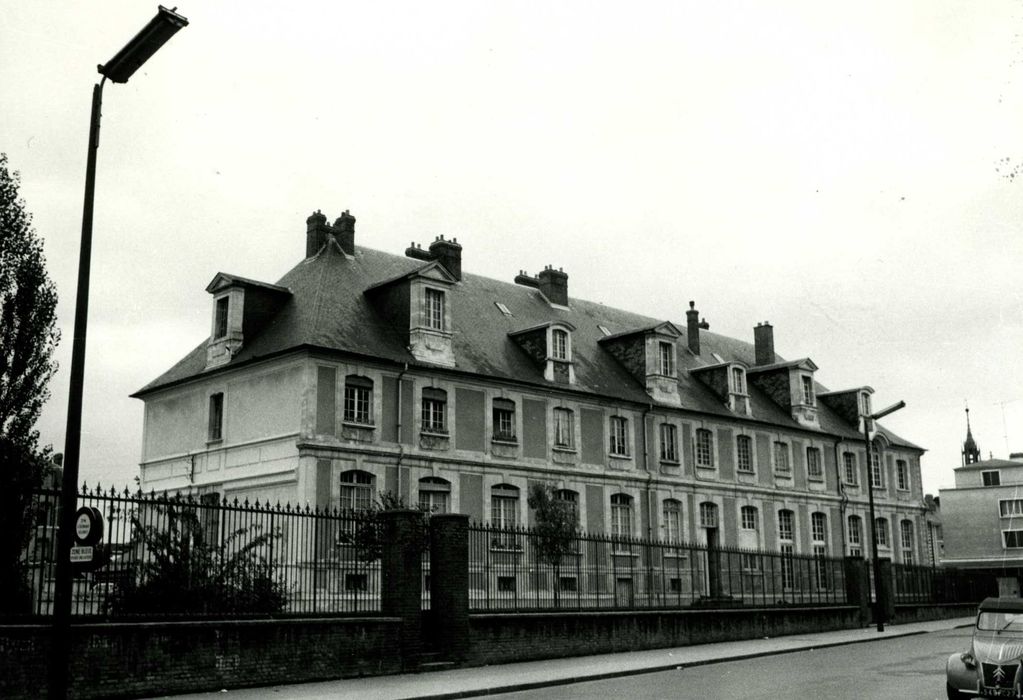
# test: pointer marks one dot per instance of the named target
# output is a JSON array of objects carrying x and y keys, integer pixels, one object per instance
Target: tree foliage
[
  {"x": 366, "y": 530},
  {"x": 28, "y": 336},
  {"x": 186, "y": 567},
  {"x": 556, "y": 525}
]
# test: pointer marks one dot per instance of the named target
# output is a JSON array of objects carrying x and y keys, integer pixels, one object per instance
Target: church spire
[{"x": 971, "y": 453}]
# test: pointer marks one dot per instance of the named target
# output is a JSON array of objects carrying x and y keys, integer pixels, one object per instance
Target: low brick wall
[
  {"x": 924, "y": 612},
  {"x": 121, "y": 660},
  {"x": 503, "y": 638}
]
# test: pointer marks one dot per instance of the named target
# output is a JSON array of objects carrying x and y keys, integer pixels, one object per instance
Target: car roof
[{"x": 1002, "y": 604}]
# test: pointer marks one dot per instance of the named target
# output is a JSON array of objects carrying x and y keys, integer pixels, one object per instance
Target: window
[
  {"x": 738, "y": 380},
  {"x": 781, "y": 457},
  {"x": 813, "y": 463},
  {"x": 435, "y": 309},
  {"x": 819, "y": 527},
  {"x": 504, "y": 420},
  {"x": 220, "y": 318},
  {"x": 855, "y": 535},
  {"x": 991, "y": 478},
  {"x": 621, "y": 515},
  {"x": 435, "y": 402},
  {"x": 704, "y": 448},
  {"x": 356, "y": 490},
  {"x": 671, "y": 520},
  {"x": 876, "y": 473},
  {"x": 559, "y": 342},
  {"x": 667, "y": 359},
  {"x": 502, "y": 308},
  {"x": 619, "y": 436},
  {"x": 788, "y": 565},
  {"x": 849, "y": 459},
  {"x": 358, "y": 406},
  {"x": 434, "y": 495},
  {"x": 881, "y": 532},
  {"x": 749, "y": 518},
  {"x": 669, "y": 443},
  {"x": 901, "y": 475},
  {"x": 786, "y": 525},
  {"x": 708, "y": 514},
  {"x": 865, "y": 404},
  {"x": 1010, "y": 508},
  {"x": 744, "y": 453},
  {"x": 807, "y": 390},
  {"x": 216, "y": 426},
  {"x": 1013, "y": 539},
  {"x": 570, "y": 499},
  {"x": 504, "y": 508},
  {"x": 564, "y": 428},
  {"x": 906, "y": 537}
]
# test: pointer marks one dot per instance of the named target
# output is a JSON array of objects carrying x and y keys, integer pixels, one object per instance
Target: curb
[{"x": 569, "y": 680}]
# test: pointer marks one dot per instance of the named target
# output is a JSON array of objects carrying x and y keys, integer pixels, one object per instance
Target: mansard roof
[{"x": 328, "y": 311}]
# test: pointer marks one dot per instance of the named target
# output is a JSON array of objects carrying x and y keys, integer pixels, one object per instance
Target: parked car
[{"x": 992, "y": 666}]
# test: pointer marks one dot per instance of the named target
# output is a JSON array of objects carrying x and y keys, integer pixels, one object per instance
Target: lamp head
[{"x": 147, "y": 42}]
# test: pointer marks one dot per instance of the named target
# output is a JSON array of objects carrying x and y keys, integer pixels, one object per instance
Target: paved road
[{"x": 910, "y": 668}]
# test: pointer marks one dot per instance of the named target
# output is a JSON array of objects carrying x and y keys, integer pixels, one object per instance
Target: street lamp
[
  {"x": 118, "y": 69},
  {"x": 878, "y": 590}
]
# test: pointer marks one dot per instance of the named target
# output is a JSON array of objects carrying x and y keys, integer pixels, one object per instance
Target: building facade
[
  {"x": 982, "y": 517},
  {"x": 361, "y": 372}
]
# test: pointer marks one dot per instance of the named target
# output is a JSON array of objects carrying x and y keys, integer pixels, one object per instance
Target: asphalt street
[{"x": 907, "y": 668}]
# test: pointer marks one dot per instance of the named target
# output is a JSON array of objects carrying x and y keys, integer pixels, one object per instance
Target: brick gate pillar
[
  {"x": 401, "y": 572},
  {"x": 857, "y": 586},
  {"x": 449, "y": 583}
]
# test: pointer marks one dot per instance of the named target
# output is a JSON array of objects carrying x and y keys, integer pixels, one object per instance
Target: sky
[{"x": 844, "y": 171}]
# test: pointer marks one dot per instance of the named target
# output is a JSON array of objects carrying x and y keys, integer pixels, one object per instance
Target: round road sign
[{"x": 88, "y": 526}]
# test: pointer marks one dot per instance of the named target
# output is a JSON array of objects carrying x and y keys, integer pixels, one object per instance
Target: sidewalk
[{"x": 488, "y": 680}]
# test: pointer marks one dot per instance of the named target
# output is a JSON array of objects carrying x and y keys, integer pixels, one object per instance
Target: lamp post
[
  {"x": 878, "y": 590},
  {"x": 121, "y": 67}
]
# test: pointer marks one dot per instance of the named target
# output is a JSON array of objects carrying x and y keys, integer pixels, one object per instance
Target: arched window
[
  {"x": 787, "y": 546},
  {"x": 358, "y": 400},
  {"x": 876, "y": 473},
  {"x": 906, "y": 535},
  {"x": 356, "y": 490},
  {"x": 819, "y": 536},
  {"x": 571, "y": 499},
  {"x": 504, "y": 505},
  {"x": 671, "y": 520},
  {"x": 708, "y": 514},
  {"x": 881, "y": 532},
  {"x": 621, "y": 515},
  {"x": 855, "y": 536},
  {"x": 559, "y": 344},
  {"x": 434, "y": 494}
]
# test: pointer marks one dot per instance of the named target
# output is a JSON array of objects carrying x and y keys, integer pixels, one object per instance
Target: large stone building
[
  {"x": 982, "y": 517},
  {"x": 361, "y": 371}
]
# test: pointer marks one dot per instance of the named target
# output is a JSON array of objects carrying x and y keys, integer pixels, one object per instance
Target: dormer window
[
  {"x": 434, "y": 309},
  {"x": 738, "y": 380},
  {"x": 864, "y": 404},
  {"x": 667, "y": 355},
  {"x": 220, "y": 317},
  {"x": 807, "y": 383},
  {"x": 559, "y": 344}
]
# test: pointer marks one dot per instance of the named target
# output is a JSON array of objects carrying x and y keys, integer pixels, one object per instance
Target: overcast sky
[{"x": 844, "y": 171}]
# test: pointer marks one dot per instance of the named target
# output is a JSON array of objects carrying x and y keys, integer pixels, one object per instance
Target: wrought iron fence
[
  {"x": 197, "y": 556},
  {"x": 519, "y": 569},
  {"x": 919, "y": 584}
]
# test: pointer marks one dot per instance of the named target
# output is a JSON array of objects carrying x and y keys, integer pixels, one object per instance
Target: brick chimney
[
  {"x": 554, "y": 285},
  {"x": 448, "y": 254},
  {"x": 763, "y": 344},
  {"x": 693, "y": 328},
  {"x": 344, "y": 232},
  {"x": 316, "y": 232}
]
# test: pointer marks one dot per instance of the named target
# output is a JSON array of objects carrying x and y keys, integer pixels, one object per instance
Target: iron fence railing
[
  {"x": 519, "y": 569},
  {"x": 197, "y": 556},
  {"x": 917, "y": 584}
]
